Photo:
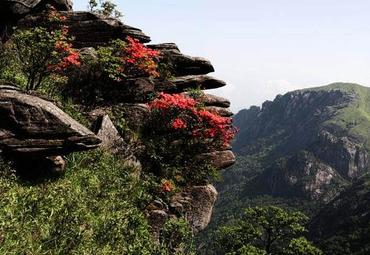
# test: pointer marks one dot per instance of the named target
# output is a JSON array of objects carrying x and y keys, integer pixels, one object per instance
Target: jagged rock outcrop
[
  {"x": 31, "y": 125},
  {"x": 345, "y": 154},
  {"x": 181, "y": 64},
  {"x": 41, "y": 128},
  {"x": 300, "y": 175},
  {"x": 11, "y": 10},
  {"x": 211, "y": 100},
  {"x": 328, "y": 124},
  {"x": 182, "y": 83},
  {"x": 90, "y": 29},
  {"x": 197, "y": 204},
  {"x": 220, "y": 159},
  {"x": 108, "y": 134}
]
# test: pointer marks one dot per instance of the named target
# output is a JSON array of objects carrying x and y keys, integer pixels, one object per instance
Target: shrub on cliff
[
  {"x": 121, "y": 60},
  {"x": 177, "y": 131},
  {"x": 40, "y": 54}
]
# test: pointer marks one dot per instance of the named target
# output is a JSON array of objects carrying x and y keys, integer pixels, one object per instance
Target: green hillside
[
  {"x": 355, "y": 118},
  {"x": 292, "y": 143}
]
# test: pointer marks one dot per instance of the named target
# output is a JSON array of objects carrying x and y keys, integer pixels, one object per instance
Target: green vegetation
[
  {"x": 96, "y": 208},
  {"x": 343, "y": 227},
  {"x": 40, "y": 56},
  {"x": 92, "y": 209},
  {"x": 355, "y": 118},
  {"x": 104, "y": 7},
  {"x": 265, "y": 230}
]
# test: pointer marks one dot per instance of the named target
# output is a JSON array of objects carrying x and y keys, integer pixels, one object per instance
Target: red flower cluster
[
  {"x": 167, "y": 186},
  {"x": 184, "y": 113},
  {"x": 179, "y": 124},
  {"x": 68, "y": 56},
  {"x": 166, "y": 101},
  {"x": 139, "y": 57}
]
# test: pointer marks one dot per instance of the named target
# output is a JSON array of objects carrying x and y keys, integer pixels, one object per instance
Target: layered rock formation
[
  {"x": 35, "y": 132},
  {"x": 40, "y": 121},
  {"x": 31, "y": 125}
]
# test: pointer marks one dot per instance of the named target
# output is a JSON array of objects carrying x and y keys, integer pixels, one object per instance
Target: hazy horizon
[{"x": 262, "y": 48}]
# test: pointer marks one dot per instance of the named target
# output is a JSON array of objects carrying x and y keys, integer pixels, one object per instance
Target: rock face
[
  {"x": 31, "y": 125},
  {"x": 345, "y": 154},
  {"x": 300, "y": 175},
  {"x": 341, "y": 227},
  {"x": 13, "y": 9},
  {"x": 183, "y": 83},
  {"x": 92, "y": 30},
  {"x": 308, "y": 144},
  {"x": 108, "y": 134},
  {"x": 183, "y": 65},
  {"x": 197, "y": 204}
]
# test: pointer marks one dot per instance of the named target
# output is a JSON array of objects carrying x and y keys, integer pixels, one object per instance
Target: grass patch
[{"x": 93, "y": 209}]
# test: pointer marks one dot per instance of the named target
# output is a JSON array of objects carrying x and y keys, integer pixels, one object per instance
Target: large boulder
[
  {"x": 197, "y": 204},
  {"x": 91, "y": 29},
  {"x": 11, "y": 10},
  {"x": 181, "y": 64},
  {"x": 31, "y": 125},
  {"x": 184, "y": 83}
]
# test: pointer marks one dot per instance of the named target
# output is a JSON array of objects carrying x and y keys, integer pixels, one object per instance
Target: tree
[
  {"x": 40, "y": 53},
  {"x": 301, "y": 246},
  {"x": 104, "y": 7},
  {"x": 269, "y": 229}
]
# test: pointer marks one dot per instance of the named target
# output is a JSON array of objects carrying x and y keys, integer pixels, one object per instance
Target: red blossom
[
  {"x": 140, "y": 57},
  {"x": 167, "y": 186},
  {"x": 185, "y": 112},
  {"x": 178, "y": 124},
  {"x": 166, "y": 101}
]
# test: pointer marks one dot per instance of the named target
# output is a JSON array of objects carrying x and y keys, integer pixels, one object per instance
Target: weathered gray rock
[
  {"x": 211, "y": 100},
  {"x": 91, "y": 30},
  {"x": 181, "y": 64},
  {"x": 224, "y": 112},
  {"x": 348, "y": 156},
  {"x": 300, "y": 175},
  {"x": 108, "y": 134},
  {"x": 57, "y": 164},
  {"x": 197, "y": 203},
  {"x": 181, "y": 84},
  {"x": 29, "y": 124},
  {"x": 11, "y": 10},
  {"x": 134, "y": 115},
  {"x": 220, "y": 159}
]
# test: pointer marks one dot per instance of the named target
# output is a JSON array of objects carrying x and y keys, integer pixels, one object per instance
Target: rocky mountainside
[
  {"x": 300, "y": 150},
  {"x": 343, "y": 226},
  {"x": 113, "y": 114},
  {"x": 317, "y": 136}
]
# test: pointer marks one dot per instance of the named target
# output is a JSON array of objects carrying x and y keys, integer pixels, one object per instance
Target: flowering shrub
[
  {"x": 178, "y": 131},
  {"x": 185, "y": 116},
  {"x": 42, "y": 52},
  {"x": 167, "y": 186},
  {"x": 121, "y": 60}
]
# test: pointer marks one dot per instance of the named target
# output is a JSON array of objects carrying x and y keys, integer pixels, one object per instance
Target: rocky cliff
[
  {"x": 327, "y": 124},
  {"x": 34, "y": 127},
  {"x": 300, "y": 150}
]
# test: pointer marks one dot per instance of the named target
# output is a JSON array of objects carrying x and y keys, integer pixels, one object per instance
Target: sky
[{"x": 262, "y": 48}]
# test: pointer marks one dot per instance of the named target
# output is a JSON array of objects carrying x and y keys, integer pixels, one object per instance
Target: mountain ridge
[{"x": 302, "y": 150}]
